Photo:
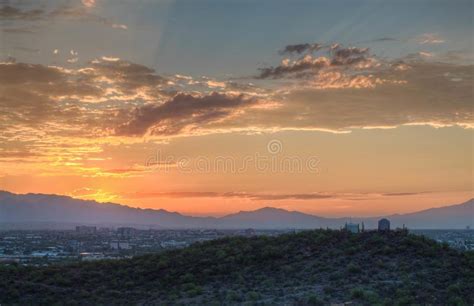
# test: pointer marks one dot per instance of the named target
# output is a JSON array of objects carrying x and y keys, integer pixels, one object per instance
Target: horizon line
[{"x": 236, "y": 212}]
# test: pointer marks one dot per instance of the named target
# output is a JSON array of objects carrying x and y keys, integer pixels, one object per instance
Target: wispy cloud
[
  {"x": 430, "y": 38},
  {"x": 266, "y": 196},
  {"x": 82, "y": 13},
  {"x": 9, "y": 12}
]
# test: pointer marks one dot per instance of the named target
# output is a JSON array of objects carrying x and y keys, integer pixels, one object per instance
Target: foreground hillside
[{"x": 308, "y": 268}]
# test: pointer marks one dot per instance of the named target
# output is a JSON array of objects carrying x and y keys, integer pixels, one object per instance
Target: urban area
[{"x": 86, "y": 243}]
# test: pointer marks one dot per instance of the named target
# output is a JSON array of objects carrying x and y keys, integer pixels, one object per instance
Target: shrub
[
  {"x": 314, "y": 300},
  {"x": 357, "y": 293},
  {"x": 253, "y": 296},
  {"x": 353, "y": 268}
]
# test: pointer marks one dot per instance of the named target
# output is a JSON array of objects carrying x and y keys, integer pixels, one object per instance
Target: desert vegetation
[{"x": 315, "y": 267}]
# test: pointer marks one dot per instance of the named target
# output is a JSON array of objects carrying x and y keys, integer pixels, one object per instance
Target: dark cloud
[
  {"x": 301, "y": 48},
  {"x": 264, "y": 196},
  {"x": 182, "y": 111},
  {"x": 348, "y": 56},
  {"x": 377, "y": 40},
  {"x": 305, "y": 64},
  {"x": 18, "y": 30},
  {"x": 401, "y": 194},
  {"x": 67, "y": 12},
  {"x": 336, "y": 55},
  {"x": 384, "y": 39},
  {"x": 296, "y": 196},
  {"x": 243, "y": 195},
  {"x": 9, "y": 12},
  {"x": 21, "y": 73}
]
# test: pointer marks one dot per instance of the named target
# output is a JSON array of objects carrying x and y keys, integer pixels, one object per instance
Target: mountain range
[{"x": 43, "y": 211}]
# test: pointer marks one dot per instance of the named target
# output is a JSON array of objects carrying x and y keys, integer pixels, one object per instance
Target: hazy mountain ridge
[{"x": 39, "y": 210}]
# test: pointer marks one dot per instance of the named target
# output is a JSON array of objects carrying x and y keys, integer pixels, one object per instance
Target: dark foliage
[{"x": 309, "y": 268}]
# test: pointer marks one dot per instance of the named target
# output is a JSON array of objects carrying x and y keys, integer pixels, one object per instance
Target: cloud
[
  {"x": 127, "y": 77},
  {"x": 9, "y": 12},
  {"x": 27, "y": 93},
  {"x": 21, "y": 73},
  {"x": 400, "y": 194},
  {"x": 114, "y": 97},
  {"x": 310, "y": 196},
  {"x": 87, "y": 193},
  {"x": 288, "y": 67},
  {"x": 83, "y": 13},
  {"x": 380, "y": 39},
  {"x": 336, "y": 56},
  {"x": 88, "y": 3},
  {"x": 425, "y": 54},
  {"x": 110, "y": 59},
  {"x": 17, "y": 154},
  {"x": 348, "y": 88},
  {"x": 348, "y": 56},
  {"x": 340, "y": 80},
  {"x": 429, "y": 38},
  {"x": 119, "y": 26},
  {"x": 18, "y": 30},
  {"x": 182, "y": 112},
  {"x": 33, "y": 93},
  {"x": 427, "y": 93},
  {"x": 241, "y": 195},
  {"x": 301, "y": 48}
]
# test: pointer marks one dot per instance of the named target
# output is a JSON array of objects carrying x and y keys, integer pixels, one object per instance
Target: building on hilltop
[
  {"x": 384, "y": 225},
  {"x": 352, "y": 227}
]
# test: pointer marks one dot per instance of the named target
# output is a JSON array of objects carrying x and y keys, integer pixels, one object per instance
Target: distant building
[
  {"x": 126, "y": 232},
  {"x": 86, "y": 256},
  {"x": 249, "y": 232},
  {"x": 173, "y": 244},
  {"x": 120, "y": 245},
  {"x": 384, "y": 225},
  {"x": 86, "y": 229},
  {"x": 352, "y": 227}
]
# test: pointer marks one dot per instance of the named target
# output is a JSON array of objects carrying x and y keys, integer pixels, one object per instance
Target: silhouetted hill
[
  {"x": 309, "y": 268},
  {"x": 53, "y": 211},
  {"x": 41, "y": 210},
  {"x": 269, "y": 217}
]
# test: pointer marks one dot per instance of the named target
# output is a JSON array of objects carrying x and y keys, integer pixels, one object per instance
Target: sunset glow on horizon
[{"x": 212, "y": 108}]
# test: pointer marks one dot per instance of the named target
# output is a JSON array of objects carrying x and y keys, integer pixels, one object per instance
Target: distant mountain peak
[
  {"x": 271, "y": 209},
  {"x": 43, "y": 209}
]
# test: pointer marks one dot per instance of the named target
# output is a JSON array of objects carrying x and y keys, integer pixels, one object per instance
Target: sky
[{"x": 335, "y": 108}]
